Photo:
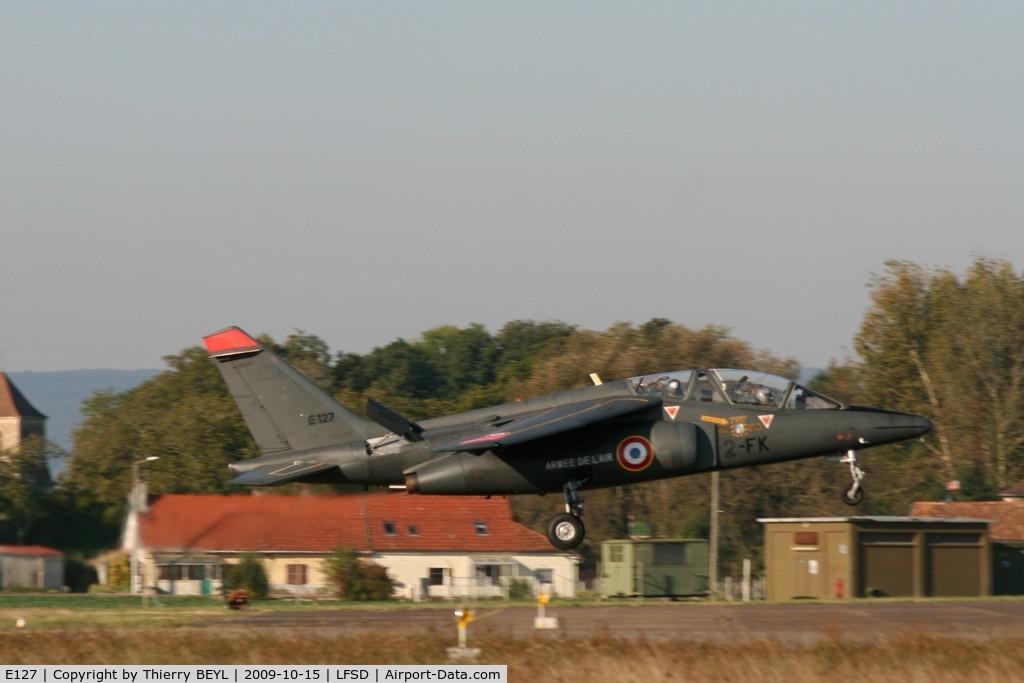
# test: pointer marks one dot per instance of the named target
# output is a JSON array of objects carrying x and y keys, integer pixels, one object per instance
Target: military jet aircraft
[{"x": 609, "y": 434}]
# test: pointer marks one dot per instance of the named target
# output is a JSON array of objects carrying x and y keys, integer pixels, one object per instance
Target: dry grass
[{"x": 911, "y": 658}]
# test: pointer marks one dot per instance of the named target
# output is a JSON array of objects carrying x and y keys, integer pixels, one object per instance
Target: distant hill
[{"x": 59, "y": 395}]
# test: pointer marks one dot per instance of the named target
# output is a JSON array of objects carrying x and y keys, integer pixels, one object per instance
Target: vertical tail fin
[{"x": 283, "y": 409}]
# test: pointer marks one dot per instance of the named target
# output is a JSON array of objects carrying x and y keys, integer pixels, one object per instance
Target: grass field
[{"x": 64, "y": 630}]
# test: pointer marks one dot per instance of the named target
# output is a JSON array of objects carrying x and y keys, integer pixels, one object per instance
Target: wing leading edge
[{"x": 549, "y": 422}]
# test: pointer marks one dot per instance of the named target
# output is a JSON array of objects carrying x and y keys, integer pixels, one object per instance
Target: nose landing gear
[
  {"x": 566, "y": 530},
  {"x": 855, "y": 494}
]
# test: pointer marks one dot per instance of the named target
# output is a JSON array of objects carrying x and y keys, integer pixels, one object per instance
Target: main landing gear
[
  {"x": 855, "y": 494},
  {"x": 565, "y": 530}
]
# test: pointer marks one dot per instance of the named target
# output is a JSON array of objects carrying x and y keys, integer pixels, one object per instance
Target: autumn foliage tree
[{"x": 951, "y": 348}]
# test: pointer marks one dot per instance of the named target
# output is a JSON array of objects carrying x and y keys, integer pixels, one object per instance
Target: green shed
[{"x": 654, "y": 568}]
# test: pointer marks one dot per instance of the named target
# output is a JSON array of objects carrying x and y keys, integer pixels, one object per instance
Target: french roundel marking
[{"x": 635, "y": 453}]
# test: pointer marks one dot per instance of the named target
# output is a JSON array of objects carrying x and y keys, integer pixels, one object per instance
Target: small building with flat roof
[
  {"x": 31, "y": 566},
  {"x": 1006, "y": 533},
  {"x": 654, "y": 567},
  {"x": 844, "y": 557}
]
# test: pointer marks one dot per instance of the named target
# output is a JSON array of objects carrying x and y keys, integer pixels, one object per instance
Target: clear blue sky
[{"x": 368, "y": 170}]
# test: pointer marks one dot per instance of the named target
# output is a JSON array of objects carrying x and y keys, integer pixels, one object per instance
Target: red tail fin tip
[{"x": 228, "y": 340}]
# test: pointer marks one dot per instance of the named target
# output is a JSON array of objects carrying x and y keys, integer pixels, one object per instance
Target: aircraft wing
[
  {"x": 548, "y": 422},
  {"x": 273, "y": 475}
]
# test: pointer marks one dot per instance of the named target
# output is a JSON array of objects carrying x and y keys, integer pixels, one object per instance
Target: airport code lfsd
[{"x": 496, "y": 673}]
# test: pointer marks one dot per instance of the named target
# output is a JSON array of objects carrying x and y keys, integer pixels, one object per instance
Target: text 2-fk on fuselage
[{"x": 633, "y": 430}]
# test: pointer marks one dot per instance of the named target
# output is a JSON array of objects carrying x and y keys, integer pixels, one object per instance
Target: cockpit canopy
[{"x": 736, "y": 387}]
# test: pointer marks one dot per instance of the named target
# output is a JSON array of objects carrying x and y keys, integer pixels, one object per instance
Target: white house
[{"x": 432, "y": 546}]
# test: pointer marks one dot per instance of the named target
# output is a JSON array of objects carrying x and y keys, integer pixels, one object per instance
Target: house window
[
  {"x": 805, "y": 538},
  {"x": 168, "y": 572},
  {"x": 545, "y": 575},
  {"x": 490, "y": 574},
  {"x": 389, "y": 528},
  {"x": 437, "y": 575},
  {"x": 414, "y": 530},
  {"x": 297, "y": 575},
  {"x": 616, "y": 554},
  {"x": 481, "y": 528},
  {"x": 187, "y": 572}
]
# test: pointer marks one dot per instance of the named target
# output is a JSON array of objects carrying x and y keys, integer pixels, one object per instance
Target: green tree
[
  {"x": 522, "y": 342},
  {"x": 24, "y": 488},
  {"x": 461, "y": 358},
  {"x": 311, "y": 356},
  {"x": 249, "y": 574},
  {"x": 356, "y": 578}
]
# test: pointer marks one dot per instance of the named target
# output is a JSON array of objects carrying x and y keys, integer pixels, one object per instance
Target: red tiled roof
[
  {"x": 35, "y": 550},
  {"x": 321, "y": 524},
  {"x": 1007, "y": 517},
  {"x": 1015, "y": 491},
  {"x": 12, "y": 402}
]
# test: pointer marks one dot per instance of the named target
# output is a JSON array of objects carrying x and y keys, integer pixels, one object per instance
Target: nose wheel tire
[
  {"x": 855, "y": 497},
  {"x": 565, "y": 531}
]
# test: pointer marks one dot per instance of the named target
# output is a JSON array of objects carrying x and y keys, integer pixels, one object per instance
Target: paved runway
[{"x": 797, "y": 623}]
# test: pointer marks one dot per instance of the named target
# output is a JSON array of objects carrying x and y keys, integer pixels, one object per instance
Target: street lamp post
[{"x": 136, "y": 503}]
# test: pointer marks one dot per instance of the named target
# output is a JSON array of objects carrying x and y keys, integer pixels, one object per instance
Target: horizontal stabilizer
[
  {"x": 535, "y": 426},
  {"x": 393, "y": 422},
  {"x": 275, "y": 475}
]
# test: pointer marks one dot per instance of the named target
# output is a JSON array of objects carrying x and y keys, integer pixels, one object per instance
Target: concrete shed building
[
  {"x": 1006, "y": 532},
  {"x": 433, "y": 546},
  {"x": 843, "y": 557},
  {"x": 31, "y": 566}
]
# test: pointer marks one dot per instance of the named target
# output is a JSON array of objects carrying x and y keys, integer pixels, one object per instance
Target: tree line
[{"x": 933, "y": 342}]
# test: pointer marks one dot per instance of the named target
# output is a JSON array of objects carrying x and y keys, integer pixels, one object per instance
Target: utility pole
[{"x": 713, "y": 541}]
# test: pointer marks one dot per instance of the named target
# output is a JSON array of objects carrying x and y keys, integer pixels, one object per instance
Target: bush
[
  {"x": 249, "y": 574},
  {"x": 355, "y": 578},
  {"x": 519, "y": 589},
  {"x": 119, "y": 572}
]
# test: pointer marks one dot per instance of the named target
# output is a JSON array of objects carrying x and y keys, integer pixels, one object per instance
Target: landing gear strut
[
  {"x": 565, "y": 530},
  {"x": 855, "y": 494}
]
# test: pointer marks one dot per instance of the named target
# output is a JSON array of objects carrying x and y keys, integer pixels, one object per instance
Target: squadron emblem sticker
[{"x": 634, "y": 453}]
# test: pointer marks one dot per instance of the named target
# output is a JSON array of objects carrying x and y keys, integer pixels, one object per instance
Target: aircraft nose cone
[
  {"x": 884, "y": 426},
  {"x": 921, "y": 425},
  {"x": 901, "y": 426}
]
